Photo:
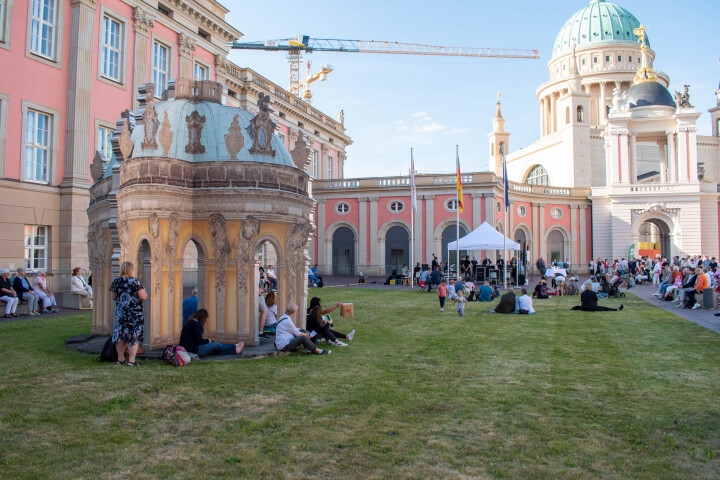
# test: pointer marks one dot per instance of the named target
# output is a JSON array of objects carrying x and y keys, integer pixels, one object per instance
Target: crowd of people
[{"x": 35, "y": 292}]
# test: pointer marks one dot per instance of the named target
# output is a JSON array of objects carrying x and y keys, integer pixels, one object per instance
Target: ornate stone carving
[
  {"x": 234, "y": 139},
  {"x": 171, "y": 246},
  {"x": 97, "y": 168},
  {"x": 248, "y": 232},
  {"x": 301, "y": 153},
  {"x": 683, "y": 99},
  {"x": 166, "y": 134},
  {"x": 262, "y": 128},
  {"x": 619, "y": 100},
  {"x": 124, "y": 237},
  {"x": 701, "y": 171},
  {"x": 296, "y": 240},
  {"x": 222, "y": 65},
  {"x": 122, "y": 144},
  {"x": 341, "y": 117},
  {"x": 186, "y": 44},
  {"x": 157, "y": 251},
  {"x": 656, "y": 208},
  {"x": 142, "y": 20},
  {"x": 149, "y": 116},
  {"x": 195, "y": 124},
  {"x": 222, "y": 248}
]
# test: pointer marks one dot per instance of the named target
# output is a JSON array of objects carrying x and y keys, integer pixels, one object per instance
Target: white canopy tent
[{"x": 485, "y": 237}]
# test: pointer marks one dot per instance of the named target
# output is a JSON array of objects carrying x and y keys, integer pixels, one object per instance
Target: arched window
[
  {"x": 538, "y": 176},
  {"x": 579, "y": 114},
  {"x": 502, "y": 149}
]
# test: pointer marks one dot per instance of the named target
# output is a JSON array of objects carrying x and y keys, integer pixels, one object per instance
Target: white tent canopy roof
[{"x": 484, "y": 237}]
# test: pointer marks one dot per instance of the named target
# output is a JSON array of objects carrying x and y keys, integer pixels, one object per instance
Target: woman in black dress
[
  {"x": 129, "y": 294},
  {"x": 589, "y": 300}
]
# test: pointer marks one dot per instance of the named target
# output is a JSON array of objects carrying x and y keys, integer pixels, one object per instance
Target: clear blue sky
[{"x": 395, "y": 102}]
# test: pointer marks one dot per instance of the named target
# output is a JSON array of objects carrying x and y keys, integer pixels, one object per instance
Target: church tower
[{"x": 498, "y": 141}]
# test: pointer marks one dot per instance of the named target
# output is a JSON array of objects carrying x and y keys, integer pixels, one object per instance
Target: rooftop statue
[{"x": 683, "y": 99}]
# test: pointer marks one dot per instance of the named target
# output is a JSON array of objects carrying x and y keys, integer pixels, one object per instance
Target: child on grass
[
  {"x": 442, "y": 293},
  {"x": 460, "y": 301}
]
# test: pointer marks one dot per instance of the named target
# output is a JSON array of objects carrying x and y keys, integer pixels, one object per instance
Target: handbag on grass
[{"x": 176, "y": 355}]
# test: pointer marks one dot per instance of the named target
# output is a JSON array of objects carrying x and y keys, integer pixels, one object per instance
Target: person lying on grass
[
  {"x": 191, "y": 338},
  {"x": 288, "y": 337},
  {"x": 323, "y": 324},
  {"x": 589, "y": 300}
]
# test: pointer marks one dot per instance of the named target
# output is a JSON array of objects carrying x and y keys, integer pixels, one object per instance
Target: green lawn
[{"x": 418, "y": 394}]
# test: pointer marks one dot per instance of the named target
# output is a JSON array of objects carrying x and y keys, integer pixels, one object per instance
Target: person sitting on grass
[
  {"x": 460, "y": 301},
  {"x": 541, "y": 290},
  {"x": 484, "y": 293},
  {"x": 271, "y": 318},
  {"x": 525, "y": 306},
  {"x": 604, "y": 288},
  {"x": 507, "y": 302},
  {"x": 191, "y": 338},
  {"x": 589, "y": 302},
  {"x": 495, "y": 290},
  {"x": 320, "y": 324},
  {"x": 315, "y": 302},
  {"x": 442, "y": 293},
  {"x": 288, "y": 337}
]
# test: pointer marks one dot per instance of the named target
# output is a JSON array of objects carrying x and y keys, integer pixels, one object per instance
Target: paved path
[{"x": 702, "y": 317}]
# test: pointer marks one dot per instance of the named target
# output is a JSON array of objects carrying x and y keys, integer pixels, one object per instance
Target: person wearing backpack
[
  {"x": 541, "y": 290},
  {"x": 191, "y": 338}
]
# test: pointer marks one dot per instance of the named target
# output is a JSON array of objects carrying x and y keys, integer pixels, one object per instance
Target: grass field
[{"x": 417, "y": 394}]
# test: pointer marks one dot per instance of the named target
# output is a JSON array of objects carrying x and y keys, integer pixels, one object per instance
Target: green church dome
[{"x": 599, "y": 22}]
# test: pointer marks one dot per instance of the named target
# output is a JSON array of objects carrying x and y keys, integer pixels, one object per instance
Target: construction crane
[
  {"x": 309, "y": 78},
  {"x": 296, "y": 46}
]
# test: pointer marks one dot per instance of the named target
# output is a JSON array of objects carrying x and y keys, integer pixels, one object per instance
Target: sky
[{"x": 429, "y": 103}]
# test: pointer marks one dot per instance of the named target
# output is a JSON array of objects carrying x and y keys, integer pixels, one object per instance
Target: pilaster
[
  {"x": 477, "y": 209},
  {"x": 672, "y": 158},
  {"x": 541, "y": 232},
  {"x": 535, "y": 233},
  {"x": 143, "y": 22},
  {"x": 363, "y": 260},
  {"x": 418, "y": 228},
  {"x": 186, "y": 46},
  {"x": 582, "y": 212},
  {"x": 429, "y": 201},
  {"x": 322, "y": 243},
  {"x": 574, "y": 243},
  {"x": 375, "y": 253}
]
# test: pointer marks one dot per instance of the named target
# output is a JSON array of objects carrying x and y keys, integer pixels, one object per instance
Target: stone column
[
  {"x": 186, "y": 46},
  {"x": 429, "y": 227},
  {"x": 363, "y": 261},
  {"x": 602, "y": 115},
  {"x": 573, "y": 237},
  {"x": 490, "y": 219},
  {"x": 663, "y": 161},
  {"x": 418, "y": 253},
  {"x": 321, "y": 241},
  {"x": 143, "y": 22},
  {"x": 377, "y": 258},
  {"x": 632, "y": 156},
  {"x": 553, "y": 115},
  {"x": 582, "y": 212},
  {"x": 74, "y": 195},
  {"x": 672, "y": 158},
  {"x": 542, "y": 116}
]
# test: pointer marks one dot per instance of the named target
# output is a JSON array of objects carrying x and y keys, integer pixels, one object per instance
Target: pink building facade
[{"x": 70, "y": 67}]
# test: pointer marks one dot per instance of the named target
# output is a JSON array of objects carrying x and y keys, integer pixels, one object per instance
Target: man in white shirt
[
  {"x": 525, "y": 305},
  {"x": 271, "y": 276},
  {"x": 288, "y": 337}
]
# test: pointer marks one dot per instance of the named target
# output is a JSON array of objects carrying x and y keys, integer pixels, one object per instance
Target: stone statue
[
  {"x": 243, "y": 250},
  {"x": 619, "y": 101},
  {"x": 683, "y": 99},
  {"x": 341, "y": 117},
  {"x": 195, "y": 124},
  {"x": 171, "y": 245},
  {"x": 701, "y": 171},
  {"x": 97, "y": 167},
  {"x": 150, "y": 118},
  {"x": 262, "y": 128},
  {"x": 124, "y": 238}
]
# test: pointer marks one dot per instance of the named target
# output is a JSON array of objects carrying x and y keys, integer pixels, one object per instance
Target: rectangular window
[
  {"x": 104, "y": 145},
  {"x": 36, "y": 247},
  {"x": 314, "y": 164},
  {"x": 37, "y": 146},
  {"x": 607, "y": 58},
  {"x": 619, "y": 58},
  {"x": 161, "y": 67},
  {"x": 43, "y": 27},
  {"x": 630, "y": 59},
  {"x": 3, "y": 15},
  {"x": 201, "y": 72},
  {"x": 110, "y": 49},
  {"x": 583, "y": 61},
  {"x": 330, "y": 167},
  {"x": 595, "y": 59}
]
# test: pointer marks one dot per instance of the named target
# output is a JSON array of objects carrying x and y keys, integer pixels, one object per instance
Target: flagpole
[
  {"x": 505, "y": 223},
  {"x": 412, "y": 222},
  {"x": 457, "y": 218}
]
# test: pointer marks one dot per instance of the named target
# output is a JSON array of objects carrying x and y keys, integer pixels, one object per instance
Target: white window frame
[
  {"x": 342, "y": 211},
  {"x": 6, "y": 23},
  {"x": 330, "y": 167},
  {"x": 169, "y": 75},
  {"x": 53, "y": 141},
  {"x": 53, "y": 55},
  {"x": 34, "y": 248},
  {"x": 393, "y": 202},
  {"x": 110, "y": 127},
  {"x": 200, "y": 66},
  {"x": 4, "y": 100},
  {"x": 536, "y": 175},
  {"x": 314, "y": 163},
  {"x": 450, "y": 205},
  {"x": 121, "y": 80}
]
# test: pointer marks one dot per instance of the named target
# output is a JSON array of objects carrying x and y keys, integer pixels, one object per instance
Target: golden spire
[{"x": 645, "y": 73}]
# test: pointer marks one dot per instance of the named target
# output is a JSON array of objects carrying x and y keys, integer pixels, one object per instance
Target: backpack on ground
[
  {"x": 108, "y": 352},
  {"x": 320, "y": 282},
  {"x": 176, "y": 355}
]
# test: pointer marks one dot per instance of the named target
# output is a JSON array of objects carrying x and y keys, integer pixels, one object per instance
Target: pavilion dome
[
  {"x": 597, "y": 23},
  {"x": 172, "y": 130},
  {"x": 649, "y": 94}
]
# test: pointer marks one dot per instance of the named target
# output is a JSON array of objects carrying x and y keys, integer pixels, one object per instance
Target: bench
[
  {"x": 22, "y": 308},
  {"x": 75, "y": 301}
]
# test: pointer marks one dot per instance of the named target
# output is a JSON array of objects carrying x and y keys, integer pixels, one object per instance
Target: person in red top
[
  {"x": 442, "y": 293},
  {"x": 701, "y": 284}
]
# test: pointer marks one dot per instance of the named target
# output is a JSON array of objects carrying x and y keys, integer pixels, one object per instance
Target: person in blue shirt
[
  {"x": 485, "y": 293},
  {"x": 495, "y": 290},
  {"x": 313, "y": 275},
  {"x": 459, "y": 285},
  {"x": 190, "y": 305},
  {"x": 435, "y": 278}
]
